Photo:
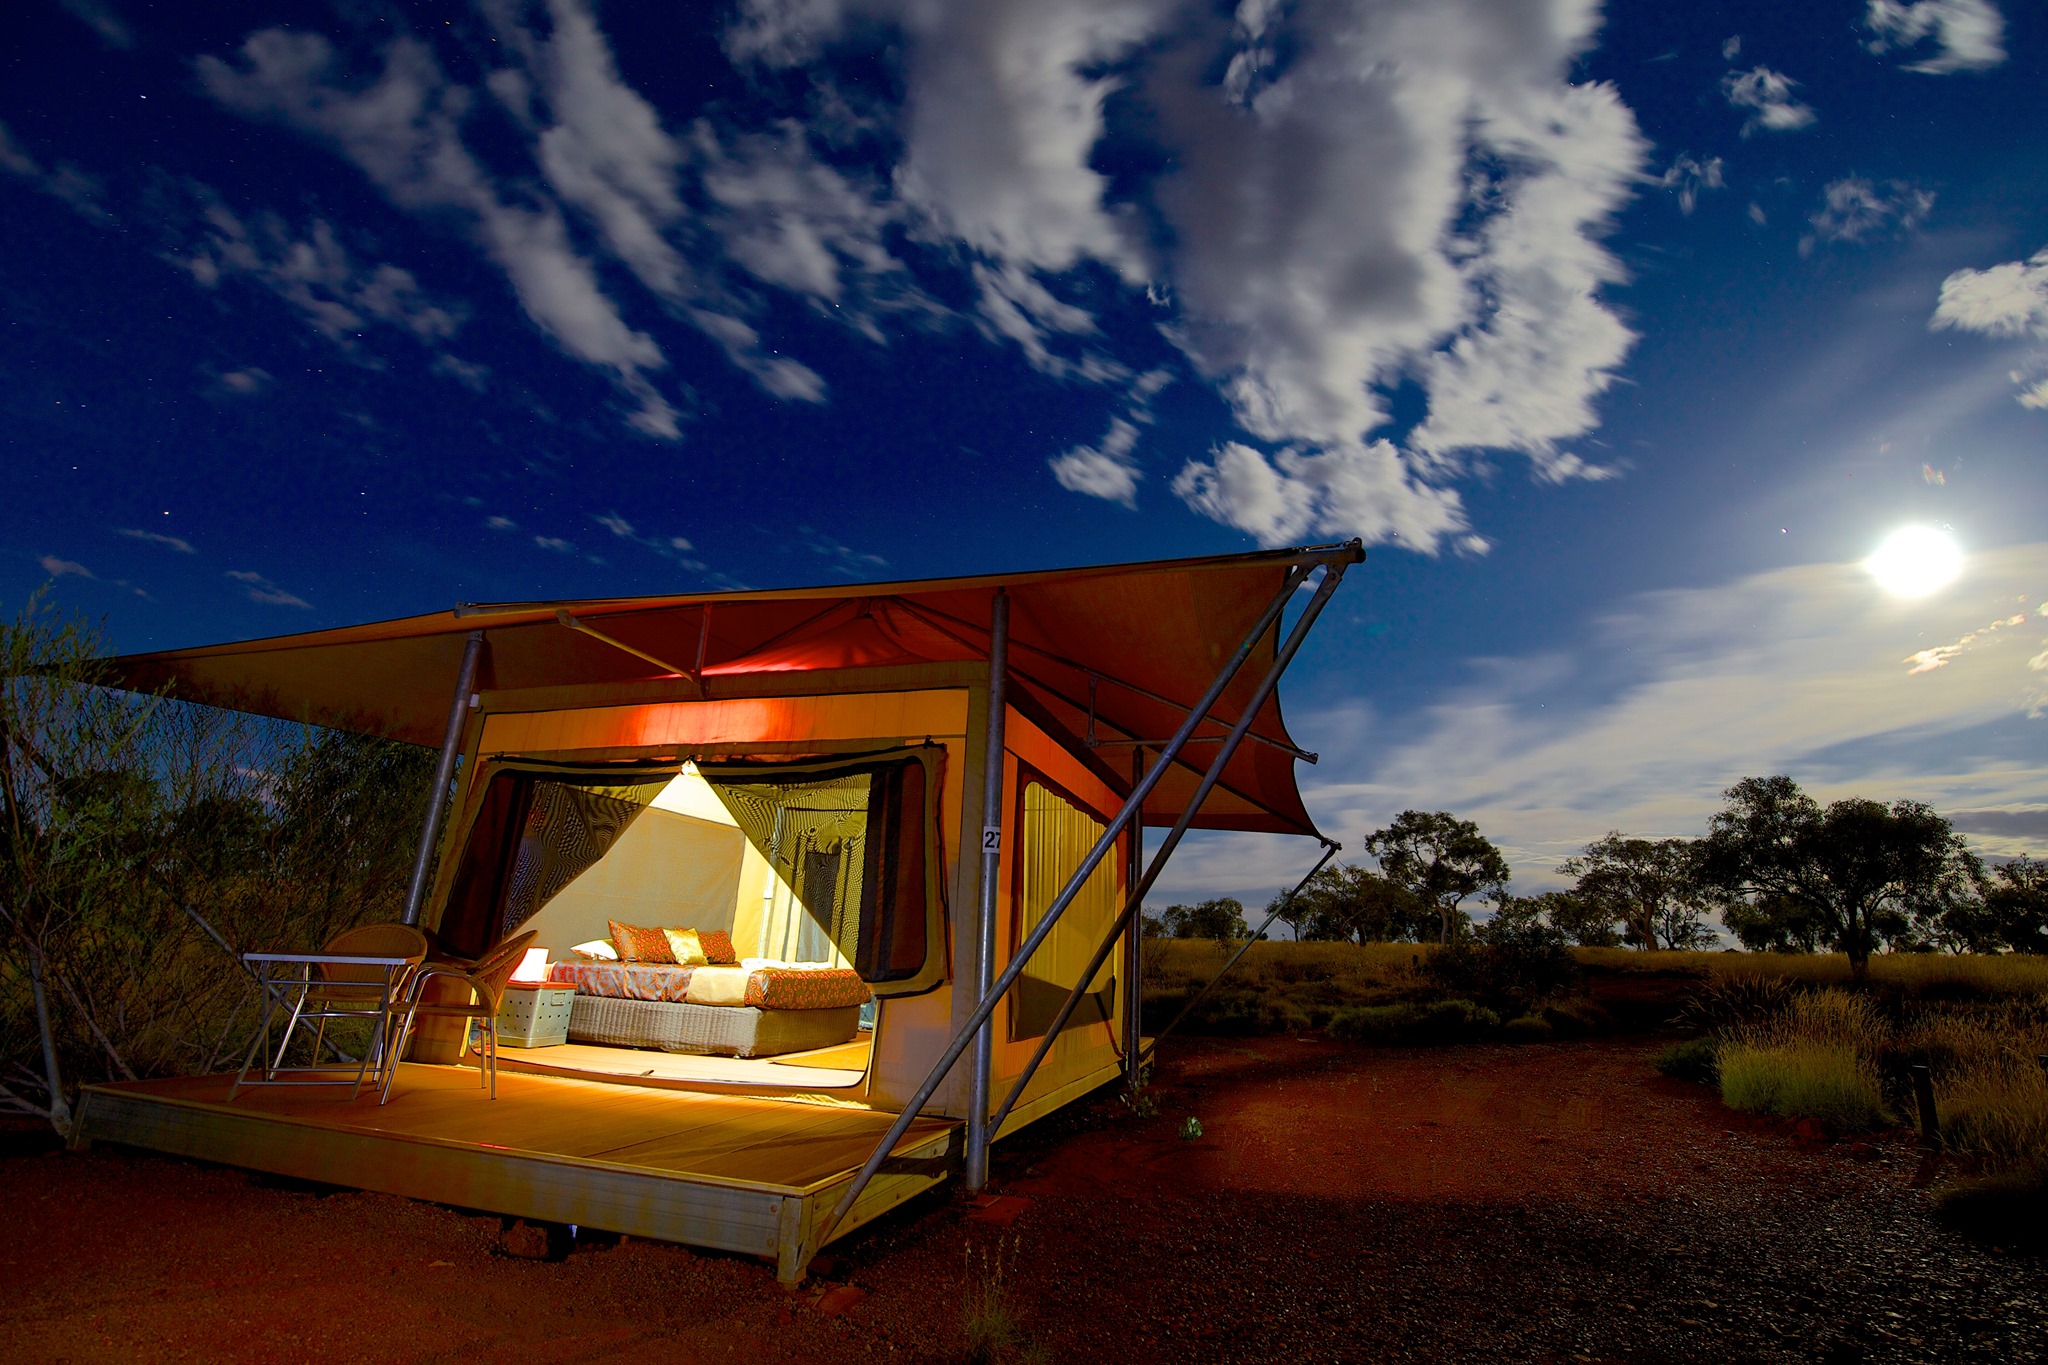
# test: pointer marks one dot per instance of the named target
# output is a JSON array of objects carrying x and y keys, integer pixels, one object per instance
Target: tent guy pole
[
  {"x": 1296, "y": 575},
  {"x": 991, "y": 868},
  {"x": 1134, "y": 943},
  {"x": 444, "y": 773},
  {"x": 1331, "y": 848},
  {"x": 1333, "y": 574}
]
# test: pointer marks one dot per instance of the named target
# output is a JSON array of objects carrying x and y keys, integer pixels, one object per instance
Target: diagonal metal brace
[
  {"x": 1332, "y": 576},
  {"x": 1015, "y": 968},
  {"x": 1331, "y": 848}
]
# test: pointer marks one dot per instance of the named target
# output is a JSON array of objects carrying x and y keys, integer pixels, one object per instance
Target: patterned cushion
[
  {"x": 640, "y": 945},
  {"x": 684, "y": 947},
  {"x": 718, "y": 947},
  {"x": 795, "y": 988}
]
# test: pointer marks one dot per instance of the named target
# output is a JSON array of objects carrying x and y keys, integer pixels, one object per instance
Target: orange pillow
[
  {"x": 640, "y": 945},
  {"x": 717, "y": 945}
]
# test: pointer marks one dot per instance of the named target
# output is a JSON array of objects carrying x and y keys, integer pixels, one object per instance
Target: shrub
[
  {"x": 1998, "y": 1111},
  {"x": 1373, "y": 1023},
  {"x": 2010, "y": 1207},
  {"x": 1816, "y": 1060},
  {"x": 1577, "y": 1017},
  {"x": 1527, "y": 1029},
  {"x": 1514, "y": 974},
  {"x": 1825, "y": 1082},
  {"x": 1692, "y": 1060},
  {"x": 1440, "y": 1021}
]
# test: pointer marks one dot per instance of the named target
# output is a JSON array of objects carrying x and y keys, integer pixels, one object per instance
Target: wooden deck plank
[{"x": 738, "y": 1172}]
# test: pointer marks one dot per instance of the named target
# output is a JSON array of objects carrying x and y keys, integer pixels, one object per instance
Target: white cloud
[
  {"x": 2008, "y": 300},
  {"x": 845, "y": 561},
  {"x": 1969, "y": 34},
  {"x": 471, "y": 375},
  {"x": 1768, "y": 95},
  {"x": 82, "y": 192},
  {"x": 100, "y": 17},
  {"x": 1004, "y": 113},
  {"x": 59, "y": 568},
  {"x": 555, "y": 543},
  {"x": 312, "y": 271},
  {"x": 1105, "y": 469},
  {"x": 403, "y": 131},
  {"x": 247, "y": 381},
  {"x": 1689, "y": 176},
  {"x": 1731, "y": 47},
  {"x": 260, "y": 589},
  {"x": 178, "y": 543},
  {"x": 1854, "y": 209},
  {"x": 498, "y": 523},
  {"x": 1366, "y": 196},
  {"x": 1415, "y": 193}
]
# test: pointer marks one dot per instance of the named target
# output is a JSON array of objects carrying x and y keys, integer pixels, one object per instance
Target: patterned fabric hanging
[{"x": 568, "y": 828}]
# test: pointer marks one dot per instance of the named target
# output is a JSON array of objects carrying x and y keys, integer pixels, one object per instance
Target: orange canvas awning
[{"x": 1114, "y": 653}]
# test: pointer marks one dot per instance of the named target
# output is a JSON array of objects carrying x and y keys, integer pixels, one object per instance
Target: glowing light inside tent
[
  {"x": 533, "y": 966},
  {"x": 1914, "y": 561}
]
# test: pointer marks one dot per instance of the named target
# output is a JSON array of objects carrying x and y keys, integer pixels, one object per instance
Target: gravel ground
[{"x": 1342, "y": 1204}]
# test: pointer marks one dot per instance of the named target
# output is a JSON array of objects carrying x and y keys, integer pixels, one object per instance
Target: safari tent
[{"x": 917, "y": 808}]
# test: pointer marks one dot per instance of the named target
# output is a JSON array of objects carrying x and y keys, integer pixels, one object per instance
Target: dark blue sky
[{"x": 1622, "y": 337}]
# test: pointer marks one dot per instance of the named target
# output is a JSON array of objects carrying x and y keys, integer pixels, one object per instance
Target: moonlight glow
[{"x": 1915, "y": 561}]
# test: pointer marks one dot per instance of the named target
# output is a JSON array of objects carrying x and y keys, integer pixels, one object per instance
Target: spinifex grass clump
[{"x": 1816, "y": 1060}]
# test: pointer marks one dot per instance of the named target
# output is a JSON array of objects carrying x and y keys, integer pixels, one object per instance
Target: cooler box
[{"x": 535, "y": 1014}]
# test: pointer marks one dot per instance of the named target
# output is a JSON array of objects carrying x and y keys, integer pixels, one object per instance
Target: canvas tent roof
[{"x": 1125, "y": 648}]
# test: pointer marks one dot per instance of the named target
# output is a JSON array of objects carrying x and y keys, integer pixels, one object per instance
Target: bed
[{"x": 757, "y": 1009}]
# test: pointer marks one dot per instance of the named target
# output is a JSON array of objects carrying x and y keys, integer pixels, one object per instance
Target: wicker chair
[
  {"x": 343, "y": 991},
  {"x": 486, "y": 983}
]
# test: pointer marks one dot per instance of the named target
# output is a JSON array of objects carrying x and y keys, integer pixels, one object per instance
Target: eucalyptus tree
[
  {"x": 1864, "y": 873},
  {"x": 1440, "y": 860},
  {"x": 1647, "y": 885}
]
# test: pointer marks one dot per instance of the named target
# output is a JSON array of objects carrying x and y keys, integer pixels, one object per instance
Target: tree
[
  {"x": 1586, "y": 921},
  {"x": 1645, "y": 884},
  {"x": 1222, "y": 918},
  {"x": 2016, "y": 906},
  {"x": 145, "y": 841},
  {"x": 1863, "y": 872},
  {"x": 1343, "y": 903},
  {"x": 1775, "y": 924},
  {"x": 1440, "y": 860}
]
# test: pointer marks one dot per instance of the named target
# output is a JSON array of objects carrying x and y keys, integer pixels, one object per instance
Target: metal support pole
[
  {"x": 1333, "y": 574},
  {"x": 1134, "y": 942},
  {"x": 444, "y": 773},
  {"x": 991, "y": 868},
  {"x": 1330, "y": 850},
  {"x": 1015, "y": 968}
]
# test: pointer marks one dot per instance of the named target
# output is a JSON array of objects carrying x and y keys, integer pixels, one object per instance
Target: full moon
[{"x": 1914, "y": 561}]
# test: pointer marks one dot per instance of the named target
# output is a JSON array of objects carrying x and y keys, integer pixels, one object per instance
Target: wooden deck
[{"x": 734, "y": 1172}]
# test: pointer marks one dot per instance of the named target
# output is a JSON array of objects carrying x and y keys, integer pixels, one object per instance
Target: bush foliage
[{"x": 145, "y": 842}]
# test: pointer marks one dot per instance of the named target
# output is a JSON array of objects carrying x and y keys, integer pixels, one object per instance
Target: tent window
[
  {"x": 846, "y": 846},
  {"x": 1053, "y": 837}
]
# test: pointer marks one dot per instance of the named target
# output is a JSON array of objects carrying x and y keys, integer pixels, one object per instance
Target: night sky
[{"x": 1622, "y": 336}]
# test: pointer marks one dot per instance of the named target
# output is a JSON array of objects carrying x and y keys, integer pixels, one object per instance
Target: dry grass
[
  {"x": 1906, "y": 974},
  {"x": 1280, "y": 986},
  {"x": 1816, "y": 1059}
]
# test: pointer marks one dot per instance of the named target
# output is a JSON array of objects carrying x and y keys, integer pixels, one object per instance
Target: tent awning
[{"x": 1115, "y": 653}]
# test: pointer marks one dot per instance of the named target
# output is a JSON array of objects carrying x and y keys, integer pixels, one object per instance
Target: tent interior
[{"x": 776, "y": 859}]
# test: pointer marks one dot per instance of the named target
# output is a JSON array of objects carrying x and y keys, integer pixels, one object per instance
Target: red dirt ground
[{"x": 1549, "y": 1202}]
